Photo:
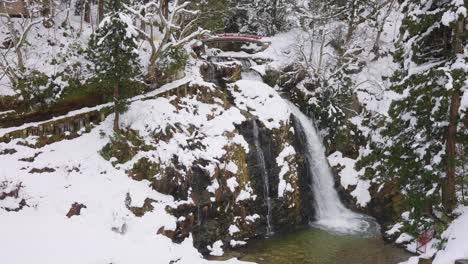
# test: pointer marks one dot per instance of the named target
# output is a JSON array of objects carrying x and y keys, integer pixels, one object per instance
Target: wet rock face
[
  {"x": 221, "y": 71},
  {"x": 386, "y": 205},
  {"x": 291, "y": 209},
  {"x": 219, "y": 197},
  {"x": 222, "y": 214}
]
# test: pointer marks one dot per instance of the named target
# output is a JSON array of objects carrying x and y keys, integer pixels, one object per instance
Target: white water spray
[{"x": 331, "y": 214}]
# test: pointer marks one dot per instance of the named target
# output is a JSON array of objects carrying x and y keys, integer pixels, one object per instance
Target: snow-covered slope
[
  {"x": 106, "y": 231},
  {"x": 41, "y": 189}
]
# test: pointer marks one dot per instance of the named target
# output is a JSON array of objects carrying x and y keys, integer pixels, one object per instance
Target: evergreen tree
[
  {"x": 114, "y": 54},
  {"x": 418, "y": 145}
]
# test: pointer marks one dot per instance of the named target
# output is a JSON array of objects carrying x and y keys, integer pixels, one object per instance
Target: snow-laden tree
[
  {"x": 12, "y": 61},
  {"x": 166, "y": 25},
  {"x": 418, "y": 149},
  {"x": 330, "y": 63},
  {"x": 263, "y": 17},
  {"x": 113, "y": 51}
]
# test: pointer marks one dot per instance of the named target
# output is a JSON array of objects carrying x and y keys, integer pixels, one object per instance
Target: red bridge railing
[
  {"x": 240, "y": 36},
  {"x": 424, "y": 239}
]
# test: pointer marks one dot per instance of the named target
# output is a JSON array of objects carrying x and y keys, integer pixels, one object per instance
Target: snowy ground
[
  {"x": 73, "y": 171},
  {"x": 456, "y": 247},
  {"x": 105, "y": 232}
]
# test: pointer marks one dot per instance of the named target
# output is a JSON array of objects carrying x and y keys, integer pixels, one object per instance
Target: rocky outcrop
[
  {"x": 221, "y": 199},
  {"x": 220, "y": 71},
  {"x": 75, "y": 209}
]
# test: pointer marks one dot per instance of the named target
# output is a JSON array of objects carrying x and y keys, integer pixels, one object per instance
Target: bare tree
[
  {"x": 380, "y": 23},
  {"x": 18, "y": 28},
  {"x": 167, "y": 25}
]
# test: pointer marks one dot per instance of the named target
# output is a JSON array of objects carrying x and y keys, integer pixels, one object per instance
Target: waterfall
[
  {"x": 264, "y": 172},
  {"x": 211, "y": 73},
  {"x": 246, "y": 63},
  {"x": 331, "y": 214}
]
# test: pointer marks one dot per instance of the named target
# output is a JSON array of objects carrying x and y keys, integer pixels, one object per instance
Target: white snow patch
[
  {"x": 232, "y": 184},
  {"x": 282, "y": 162},
  {"x": 216, "y": 249},
  {"x": 233, "y": 229},
  {"x": 457, "y": 240},
  {"x": 349, "y": 176},
  {"x": 262, "y": 101}
]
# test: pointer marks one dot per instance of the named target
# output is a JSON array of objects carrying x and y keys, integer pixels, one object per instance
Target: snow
[
  {"x": 216, "y": 249},
  {"x": 210, "y": 120},
  {"x": 395, "y": 229},
  {"x": 99, "y": 186},
  {"x": 448, "y": 18},
  {"x": 246, "y": 194},
  {"x": 213, "y": 187},
  {"x": 262, "y": 101},
  {"x": 106, "y": 231},
  {"x": 350, "y": 177},
  {"x": 232, "y": 184},
  {"x": 236, "y": 243},
  {"x": 282, "y": 162},
  {"x": 403, "y": 238},
  {"x": 231, "y": 167},
  {"x": 233, "y": 229},
  {"x": 457, "y": 240},
  {"x": 252, "y": 218},
  {"x": 464, "y": 102},
  {"x": 412, "y": 260},
  {"x": 455, "y": 248},
  {"x": 261, "y": 69}
]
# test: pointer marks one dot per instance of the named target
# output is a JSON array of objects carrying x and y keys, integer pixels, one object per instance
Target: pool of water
[{"x": 316, "y": 246}]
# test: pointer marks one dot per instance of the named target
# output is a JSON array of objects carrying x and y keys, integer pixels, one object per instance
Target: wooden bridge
[{"x": 226, "y": 41}]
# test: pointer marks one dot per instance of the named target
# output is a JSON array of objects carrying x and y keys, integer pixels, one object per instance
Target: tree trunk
[
  {"x": 100, "y": 10},
  {"x": 351, "y": 22},
  {"x": 116, "y": 108},
  {"x": 19, "y": 56},
  {"x": 448, "y": 192},
  {"x": 87, "y": 11},
  {"x": 274, "y": 18},
  {"x": 165, "y": 8}
]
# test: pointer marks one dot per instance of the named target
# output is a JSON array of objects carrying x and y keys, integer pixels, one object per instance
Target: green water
[{"x": 315, "y": 246}]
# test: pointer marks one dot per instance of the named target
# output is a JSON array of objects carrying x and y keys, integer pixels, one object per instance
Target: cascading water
[
  {"x": 264, "y": 172},
  {"x": 248, "y": 73},
  {"x": 331, "y": 214},
  {"x": 211, "y": 73},
  {"x": 246, "y": 63}
]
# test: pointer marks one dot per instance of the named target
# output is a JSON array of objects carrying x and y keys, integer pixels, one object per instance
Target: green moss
[
  {"x": 118, "y": 148},
  {"x": 271, "y": 77},
  {"x": 238, "y": 156},
  {"x": 144, "y": 169}
]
